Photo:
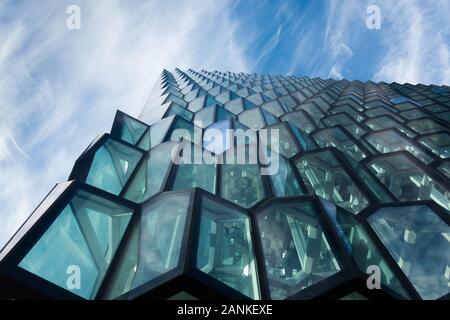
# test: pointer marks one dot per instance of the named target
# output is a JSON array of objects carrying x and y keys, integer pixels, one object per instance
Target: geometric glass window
[
  {"x": 154, "y": 246},
  {"x": 419, "y": 241},
  {"x": 297, "y": 253},
  {"x": 112, "y": 165},
  {"x": 83, "y": 239},
  {"x": 225, "y": 249},
  {"x": 407, "y": 181},
  {"x": 438, "y": 143}
]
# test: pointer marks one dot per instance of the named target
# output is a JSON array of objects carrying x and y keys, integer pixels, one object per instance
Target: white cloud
[
  {"x": 59, "y": 87},
  {"x": 416, "y": 42}
]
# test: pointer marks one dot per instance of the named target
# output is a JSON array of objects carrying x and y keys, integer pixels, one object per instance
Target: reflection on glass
[
  {"x": 155, "y": 245},
  {"x": 419, "y": 241},
  {"x": 84, "y": 237},
  {"x": 112, "y": 165},
  {"x": 225, "y": 249},
  {"x": 297, "y": 253}
]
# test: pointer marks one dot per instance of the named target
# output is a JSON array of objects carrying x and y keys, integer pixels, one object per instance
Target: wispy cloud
[{"x": 59, "y": 88}]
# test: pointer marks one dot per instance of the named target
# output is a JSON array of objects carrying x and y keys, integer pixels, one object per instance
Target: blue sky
[{"x": 59, "y": 88}]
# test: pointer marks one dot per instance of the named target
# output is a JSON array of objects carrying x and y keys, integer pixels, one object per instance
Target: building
[{"x": 360, "y": 193}]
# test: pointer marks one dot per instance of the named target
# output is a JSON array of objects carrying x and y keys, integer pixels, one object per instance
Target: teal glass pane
[
  {"x": 241, "y": 180},
  {"x": 427, "y": 125},
  {"x": 151, "y": 174},
  {"x": 299, "y": 119},
  {"x": 306, "y": 142},
  {"x": 225, "y": 249},
  {"x": 180, "y": 111},
  {"x": 345, "y": 121},
  {"x": 204, "y": 117},
  {"x": 223, "y": 114},
  {"x": 155, "y": 245},
  {"x": 297, "y": 253},
  {"x": 235, "y": 106},
  {"x": 438, "y": 143},
  {"x": 445, "y": 169},
  {"x": 279, "y": 138},
  {"x": 386, "y": 122},
  {"x": 269, "y": 117},
  {"x": 326, "y": 177},
  {"x": 194, "y": 170},
  {"x": 418, "y": 240},
  {"x": 407, "y": 181},
  {"x": 158, "y": 131},
  {"x": 83, "y": 237},
  {"x": 336, "y": 137},
  {"x": 314, "y": 112},
  {"x": 391, "y": 141},
  {"x": 252, "y": 119},
  {"x": 185, "y": 129},
  {"x": 132, "y": 130},
  {"x": 273, "y": 107},
  {"x": 145, "y": 141},
  {"x": 217, "y": 138},
  {"x": 361, "y": 247},
  {"x": 112, "y": 165},
  {"x": 281, "y": 173}
]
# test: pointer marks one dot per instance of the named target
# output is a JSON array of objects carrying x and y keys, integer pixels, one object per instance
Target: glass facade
[{"x": 249, "y": 186}]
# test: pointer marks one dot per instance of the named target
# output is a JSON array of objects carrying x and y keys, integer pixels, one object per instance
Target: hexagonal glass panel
[
  {"x": 386, "y": 122},
  {"x": 297, "y": 253},
  {"x": 112, "y": 166},
  {"x": 132, "y": 130},
  {"x": 151, "y": 175},
  {"x": 241, "y": 180},
  {"x": 391, "y": 140},
  {"x": 279, "y": 138},
  {"x": 347, "y": 122},
  {"x": 408, "y": 181},
  {"x": 84, "y": 237},
  {"x": 426, "y": 125},
  {"x": 419, "y": 241},
  {"x": 196, "y": 169},
  {"x": 338, "y": 138},
  {"x": 225, "y": 249},
  {"x": 361, "y": 247},
  {"x": 326, "y": 177},
  {"x": 301, "y": 119},
  {"x": 439, "y": 143},
  {"x": 444, "y": 168},
  {"x": 154, "y": 246}
]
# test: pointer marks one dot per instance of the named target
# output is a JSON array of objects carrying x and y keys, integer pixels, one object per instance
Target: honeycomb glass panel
[
  {"x": 386, "y": 122},
  {"x": 390, "y": 141},
  {"x": 152, "y": 173},
  {"x": 361, "y": 247},
  {"x": 426, "y": 125},
  {"x": 345, "y": 121},
  {"x": 279, "y": 138},
  {"x": 444, "y": 168},
  {"x": 154, "y": 246},
  {"x": 408, "y": 181},
  {"x": 241, "y": 180},
  {"x": 84, "y": 236},
  {"x": 297, "y": 253},
  {"x": 204, "y": 117},
  {"x": 132, "y": 130},
  {"x": 326, "y": 177},
  {"x": 252, "y": 119},
  {"x": 225, "y": 249},
  {"x": 336, "y": 137},
  {"x": 419, "y": 241},
  {"x": 438, "y": 143},
  {"x": 112, "y": 165},
  {"x": 194, "y": 171},
  {"x": 300, "y": 119}
]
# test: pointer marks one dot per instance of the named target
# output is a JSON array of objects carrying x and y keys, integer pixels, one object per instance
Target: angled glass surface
[
  {"x": 408, "y": 181},
  {"x": 151, "y": 175},
  {"x": 444, "y": 168},
  {"x": 279, "y": 138},
  {"x": 252, "y": 119},
  {"x": 241, "y": 180},
  {"x": 361, "y": 247},
  {"x": 438, "y": 143},
  {"x": 197, "y": 169},
  {"x": 154, "y": 246},
  {"x": 205, "y": 117},
  {"x": 112, "y": 166},
  {"x": 297, "y": 253},
  {"x": 132, "y": 130},
  {"x": 390, "y": 141},
  {"x": 300, "y": 119},
  {"x": 336, "y": 137},
  {"x": 426, "y": 125},
  {"x": 84, "y": 238},
  {"x": 344, "y": 120},
  {"x": 386, "y": 122},
  {"x": 225, "y": 249},
  {"x": 419, "y": 241},
  {"x": 326, "y": 177}
]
